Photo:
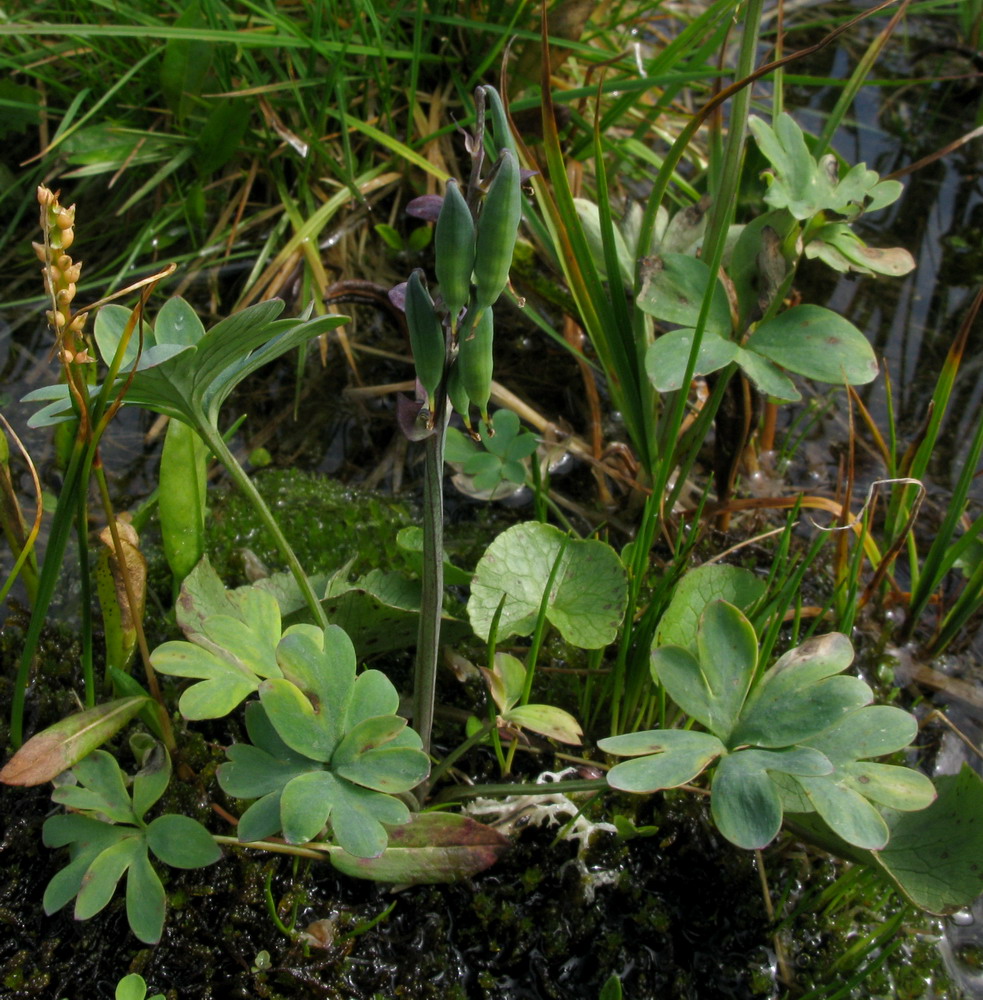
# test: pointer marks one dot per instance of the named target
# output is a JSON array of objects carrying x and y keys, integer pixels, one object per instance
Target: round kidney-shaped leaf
[{"x": 588, "y": 596}]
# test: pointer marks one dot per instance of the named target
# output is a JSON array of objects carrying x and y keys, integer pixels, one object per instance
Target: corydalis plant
[
  {"x": 812, "y": 211},
  {"x": 327, "y": 747},
  {"x": 326, "y": 744},
  {"x": 797, "y": 738},
  {"x": 108, "y": 838},
  {"x": 178, "y": 368}
]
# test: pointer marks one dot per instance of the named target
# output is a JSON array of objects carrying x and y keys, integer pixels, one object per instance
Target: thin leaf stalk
[
  {"x": 211, "y": 436},
  {"x": 539, "y": 632}
]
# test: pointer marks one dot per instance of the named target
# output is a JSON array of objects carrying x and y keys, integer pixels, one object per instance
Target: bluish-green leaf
[
  {"x": 252, "y": 772},
  {"x": 673, "y": 291},
  {"x": 358, "y": 819},
  {"x": 391, "y": 769},
  {"x": 847, "y": 812},
  {"x": 101, "y": 788},
  {"x": 230, "y": 653},
  {"x": 365, "y": 736},
  {"x": 372, "y": 695},
  {"x": 324, "y": 669},
  {"x": 782, "y": 717},
  {"x": 818, "y": 343},
  {"x": 679, "y": 763},
  {"x": 261, "y": 819},
  {"x": 654, "y": 741},
  {"x": 746, "y": 806},
  {"x": 727, "y": 649},
  {"x": 797, "y": 183},
  {"x": 667, "y": 358},
  {"x": 795, "y": 760},
  {"x": 872, "y": 731},
  {"x": 89, "y": 837},
  {"x": 900, "y": 788},
  {"x": 304, "y": 728},
  {"x": 768, "y": 379},
  {"x": 305, "y": 805},
  {"x": 151, "y": 780},
  {"x": 678, "y": 670}
]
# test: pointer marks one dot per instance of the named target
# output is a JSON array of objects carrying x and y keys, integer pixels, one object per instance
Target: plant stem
[
  {"x": 505, "y": 789},
  {"x": 61, "y": 528},
  {"x": 476, "y": 737},
  {"x": 221, "y": 451},
  {"x": 432, "y": 598}
]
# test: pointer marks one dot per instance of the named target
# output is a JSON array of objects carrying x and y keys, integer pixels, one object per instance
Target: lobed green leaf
[
  {"x": 101, "y": 877},
  {"x": 782, "y": 715},
  {"x": 101, "y": 789},
  {"x": 727, "y": 650},
  {"x": 745, "y": 804}
]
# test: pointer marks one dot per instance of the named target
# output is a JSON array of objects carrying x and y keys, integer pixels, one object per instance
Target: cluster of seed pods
[{"x": 452, "y": 340}]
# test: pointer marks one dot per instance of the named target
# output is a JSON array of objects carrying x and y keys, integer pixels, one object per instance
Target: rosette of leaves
[
  {"x": 326, "y": 748},
  {"x": 107, "y": 838},
  {"x": 797, "y": 738}
]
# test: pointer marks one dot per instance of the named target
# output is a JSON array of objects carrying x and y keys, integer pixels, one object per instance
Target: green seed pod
[
  {"x": 426, "y": 336},
  {"x": 457, "y": 394},
  {"x": 183, "y": 480},
  {"x": 475, "y": 360},
  {"x": 454, "y": 247},
  {"x": 500, "y": 123},
  {"x": 498, "y": 227}
]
